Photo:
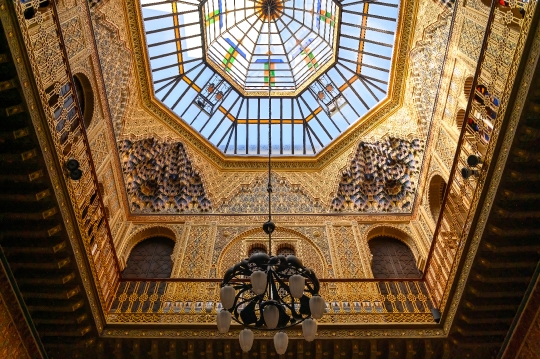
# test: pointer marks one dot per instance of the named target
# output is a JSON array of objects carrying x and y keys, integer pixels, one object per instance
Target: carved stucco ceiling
[{"x": 391, "y": 117}]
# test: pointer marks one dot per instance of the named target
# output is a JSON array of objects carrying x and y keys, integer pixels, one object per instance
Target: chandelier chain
[{"x": 269, "y": 137}]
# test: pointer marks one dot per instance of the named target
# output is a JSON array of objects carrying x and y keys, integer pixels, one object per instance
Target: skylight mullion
[
  {"x": 280, "y": 126},
  {"x": 372, "y": 84},
  {"x": 175, "y": 53},
  {"x": 315, "y": 116},
  {"x": 382, "y": 31},
  {"x": 168, "y": 2},
  {"x": 364, "y": 64},
  {"x": 366, "y": 40},
  {"x": 174, "y": 65},
  {"x": 369, "y": 2},
  {"x": 292, "y": 127},
  {"x": 366, "y": 53},
  {"x": 247, "y": 126},
  {"x": 308, "y": 93},
  {"x": 304, "y": 128},
  {"x": 183, "y": 94},
  {"x": 367, "y": 14},
  {"x": 170, "y": 90},
  {"x": 350, "y": 86},
  {"x": 345, "y": 98},
  {"x": 157, "y": 17},
  {"x": 171, "y": 28},
  {"x": 172, "y": 40}
]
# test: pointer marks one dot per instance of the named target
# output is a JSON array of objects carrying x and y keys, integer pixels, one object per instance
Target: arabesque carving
[
  {"x": 427, "y": 59},
  {"x": 381, "y": 177},
  {"x": 159, "y": 177},
  {"x": 286, "y": 198}
]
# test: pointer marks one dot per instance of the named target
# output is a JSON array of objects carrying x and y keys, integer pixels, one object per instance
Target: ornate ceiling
[
  {"x": 214, "y": 64},
  {"x": 347, "y": 172}
]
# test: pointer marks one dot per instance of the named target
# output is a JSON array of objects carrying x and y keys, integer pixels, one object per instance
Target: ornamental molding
[{"x": 377, "y": 115}]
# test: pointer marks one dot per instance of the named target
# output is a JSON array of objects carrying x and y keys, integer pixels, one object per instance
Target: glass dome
[
  {"x": 253, "y": 50},
  {"x": 326, "y": 65}
]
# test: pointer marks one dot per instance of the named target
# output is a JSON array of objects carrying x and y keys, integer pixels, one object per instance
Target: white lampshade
[
  {"x": 271, "y": 316},
  {"x": 309, "y": 329},
  {"x": 223, "y": 321},
  {"x": 316, "y": 306},
  {"x": 258, "y": 282},
  {"x": 296, "y": 285},
  {"x": 226, "y": 295},
  {"x": 246, "y": 340},
  {"x": 281, "y": 341}
]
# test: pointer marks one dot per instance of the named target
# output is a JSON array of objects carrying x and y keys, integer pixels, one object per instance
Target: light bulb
[
  {"x": 258, "y": 282},
  {"x": 296, "y": 285},
  {"x": 246, "y": 340},
  {"x": 226, "y": 295},
  {"x": 271, "y": 316},
  {"x": 309, "y": 329},
  {"x": 223, "y": 321},
  {"x": 281, "y": 341},
  {"x": 316, "y": 306}
]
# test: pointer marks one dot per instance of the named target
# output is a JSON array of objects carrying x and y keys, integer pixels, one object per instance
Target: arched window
[
  {"x": 392, "y": 259},
  {"x": 285, "y": 250},
  {"x": 467, "y": 87},
  {"x": 437, "y": 185},
  {"x": 150, "y": 258},
  {"x": 85, "y": 96},
  {"x": 257, "y": 248},
  {"x": 460, "y": 116}
]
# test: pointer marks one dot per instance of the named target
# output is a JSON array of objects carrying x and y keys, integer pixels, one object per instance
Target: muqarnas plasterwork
[
  {"x": 159, "y": 177},
  {"x": 381, "y": 177}
]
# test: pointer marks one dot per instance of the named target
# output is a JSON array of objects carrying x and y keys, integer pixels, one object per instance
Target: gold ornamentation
[{"x": 382, "y": 177}]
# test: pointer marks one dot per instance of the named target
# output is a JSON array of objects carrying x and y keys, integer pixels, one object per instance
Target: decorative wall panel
[
  {"x": 346, "y": 252},
  {"x": 197, "y": 253},
  {"x": 73, "y": 36},
  {"x": 115, "y": 62},
  {"x": 286, "y": 198},
  {"x": 99, "y": 150},
  {"x": 445, "y": 148},
  {"x": 470, "y": 40},
  {"x": 305, "y": 249},
  {"x": 159, "y": 177},
  {"x": 426, "y": 68},
  {"x": 382, "y": 177}
]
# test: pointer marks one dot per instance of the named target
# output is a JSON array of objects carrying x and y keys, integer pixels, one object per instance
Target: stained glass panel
[{"x": 325, "y": 64}]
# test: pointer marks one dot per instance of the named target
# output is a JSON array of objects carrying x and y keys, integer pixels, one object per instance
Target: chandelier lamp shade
[{"x": 267, "y": 292}]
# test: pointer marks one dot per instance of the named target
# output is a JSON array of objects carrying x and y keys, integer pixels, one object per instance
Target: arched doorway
[
  {"x": 150, "y": 258},
  {"x": 392, "y": 259}
]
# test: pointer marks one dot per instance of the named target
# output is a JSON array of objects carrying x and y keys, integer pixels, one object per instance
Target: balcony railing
[{"x": 198, "y": 302}]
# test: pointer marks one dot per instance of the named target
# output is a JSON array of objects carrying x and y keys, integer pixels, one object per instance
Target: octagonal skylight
[
  {"x": 326, "y": 65},
  {"x": 288, "y": 54}
]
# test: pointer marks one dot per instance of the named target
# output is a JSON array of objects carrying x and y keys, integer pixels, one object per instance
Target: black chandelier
[{"x": 267, "y": 292}]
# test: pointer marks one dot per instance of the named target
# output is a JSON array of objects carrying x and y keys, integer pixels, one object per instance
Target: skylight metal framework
[
  {"x": 302, "y": 41},
  {"x": 204, "y": 65}
]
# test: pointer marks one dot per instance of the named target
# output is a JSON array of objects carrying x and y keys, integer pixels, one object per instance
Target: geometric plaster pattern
[
  {"x": 428, "y": 59},
  {"x": 115, "y": 60},
  {"x": 286, "y": 198}
]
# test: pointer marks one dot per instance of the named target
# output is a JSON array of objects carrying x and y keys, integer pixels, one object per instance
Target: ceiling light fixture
[{"x": 280, "y": 291}]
